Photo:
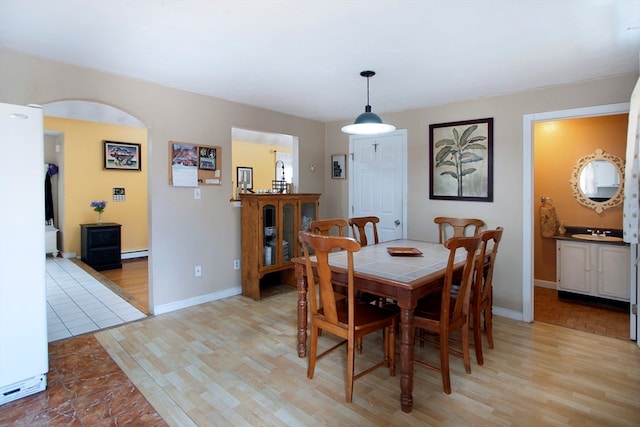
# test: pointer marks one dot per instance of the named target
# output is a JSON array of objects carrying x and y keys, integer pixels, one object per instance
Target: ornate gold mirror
[{"x": 597, "y": 180}]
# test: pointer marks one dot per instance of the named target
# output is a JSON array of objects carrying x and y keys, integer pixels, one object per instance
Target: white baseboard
[
  {"x": 545, "y": 284},
  {"x": 190, "y": 302},
  {"x": 134, "y": 254},
  {"x": 508, "y": 313}
]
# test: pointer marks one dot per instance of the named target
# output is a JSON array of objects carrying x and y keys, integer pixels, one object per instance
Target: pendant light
[{"x": 368, "y": 123}]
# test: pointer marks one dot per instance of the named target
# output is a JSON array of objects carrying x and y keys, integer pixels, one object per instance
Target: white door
[{"x": 378, "y": 182}]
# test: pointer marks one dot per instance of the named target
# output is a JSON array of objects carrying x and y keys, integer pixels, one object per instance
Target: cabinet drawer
[{"x": 104, "y": 237}]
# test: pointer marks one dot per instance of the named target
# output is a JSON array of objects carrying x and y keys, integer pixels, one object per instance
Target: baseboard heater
[{"x": 23, "y": 388}]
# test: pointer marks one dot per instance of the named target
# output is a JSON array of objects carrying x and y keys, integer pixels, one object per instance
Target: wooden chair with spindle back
[
  {"x": 445, "y": 314},
  {"x": 324, "y": 227},
  {"x": 482, "y": 291},
  {"x": 358, "y": 227},
  {"x": 459, "y": 226},
  {"x": 343, "y": 318}
]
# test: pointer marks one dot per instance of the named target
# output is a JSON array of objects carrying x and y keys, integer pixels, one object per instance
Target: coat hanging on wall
[{"x": 50, "y": 170}]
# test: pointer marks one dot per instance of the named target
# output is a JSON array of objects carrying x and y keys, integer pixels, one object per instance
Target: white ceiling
[{"x": 304, "y": 57}]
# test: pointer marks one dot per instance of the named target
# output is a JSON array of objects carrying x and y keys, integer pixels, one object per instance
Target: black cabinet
[{"x": 101, "y": 245}]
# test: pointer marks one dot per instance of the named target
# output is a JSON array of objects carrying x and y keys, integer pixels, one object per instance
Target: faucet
[{"x": 599, "y": 233}]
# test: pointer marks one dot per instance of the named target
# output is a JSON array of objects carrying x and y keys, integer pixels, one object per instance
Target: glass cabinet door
[
  {"x": 288, "y": 231},
  {"x": 269, "y": 234},
  {"x": 307, "y": 214}
]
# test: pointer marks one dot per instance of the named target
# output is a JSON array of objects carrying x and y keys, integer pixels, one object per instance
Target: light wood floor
[
  {"x": 234, "y": 362},
  {"x": 132, "y": 278}
]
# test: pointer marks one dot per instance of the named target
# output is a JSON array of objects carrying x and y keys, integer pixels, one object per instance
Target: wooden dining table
[{"x": 405, "y": 278}]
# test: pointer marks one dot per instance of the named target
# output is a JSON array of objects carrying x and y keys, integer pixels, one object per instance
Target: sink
[{"x": 597, "y": 238}]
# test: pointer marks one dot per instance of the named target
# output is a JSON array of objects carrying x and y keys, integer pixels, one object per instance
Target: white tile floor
[{"x": 77, "y": 303}]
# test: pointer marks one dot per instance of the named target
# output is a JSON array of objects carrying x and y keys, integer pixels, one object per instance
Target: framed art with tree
[{"x": 461, "y": 160}]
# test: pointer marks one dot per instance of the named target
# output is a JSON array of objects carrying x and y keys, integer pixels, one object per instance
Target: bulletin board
[{"x": 191, "y": 165}]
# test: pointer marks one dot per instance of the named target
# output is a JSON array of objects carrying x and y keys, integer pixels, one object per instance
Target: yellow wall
[
  {"x": 260, "y": 157},
  {"x": 558, "y": 145},
  {"x": 84, "y": 180}
]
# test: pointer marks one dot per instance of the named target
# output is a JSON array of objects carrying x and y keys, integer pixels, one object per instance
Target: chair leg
[
  {"x": 465, "y": 347},
  {"x": 444, "y": 364},
  {"x": 359, "y": 345},
  {"x": 350, "y": 370},
  {"x": 488, "y": 324},
  {"x": 477, "y": 335},
  {"x": 313, "y": 351}
]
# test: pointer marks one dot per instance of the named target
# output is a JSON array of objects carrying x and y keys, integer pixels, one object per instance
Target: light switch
[{"x": 196, "y": 193}]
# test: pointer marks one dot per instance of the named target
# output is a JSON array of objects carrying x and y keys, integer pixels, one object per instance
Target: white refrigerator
[{"x": 24, "y": 355}]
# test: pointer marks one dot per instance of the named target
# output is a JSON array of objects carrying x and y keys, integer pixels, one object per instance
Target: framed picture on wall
[
  {"x": 208, "y": 158},
  {"x": 461, "y": 160},
  {"x": 339, "y": 166},
  {"x": 122, "y": 156},
  {"x": 244, "y": 174}
]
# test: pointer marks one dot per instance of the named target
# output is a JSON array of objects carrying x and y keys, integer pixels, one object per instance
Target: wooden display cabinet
[{"x": 270, "y": 226}]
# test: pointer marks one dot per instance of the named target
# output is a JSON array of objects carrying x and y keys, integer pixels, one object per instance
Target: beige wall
[
  {"x": 184, "y": 232},
  {"x": 506, "y": 210},
  {"x": 558, "y": 145},
  {"x": 85, "y": 180}
]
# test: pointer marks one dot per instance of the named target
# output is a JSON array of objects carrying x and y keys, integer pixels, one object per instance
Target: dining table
[{"x": 401, "y": 270}]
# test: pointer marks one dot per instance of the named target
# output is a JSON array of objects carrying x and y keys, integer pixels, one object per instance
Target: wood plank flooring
[
  {"x": 234, "y": 362},
  {"x": 132, "y": 278}
]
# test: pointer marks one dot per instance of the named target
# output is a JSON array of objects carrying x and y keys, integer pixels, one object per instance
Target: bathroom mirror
[{"x": 597, "y": 180}]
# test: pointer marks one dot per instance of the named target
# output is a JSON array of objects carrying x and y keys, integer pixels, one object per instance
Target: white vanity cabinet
[{"x": 596, "y": 269}]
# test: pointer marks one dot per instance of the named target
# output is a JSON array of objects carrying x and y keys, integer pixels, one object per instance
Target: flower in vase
[{"x": 99, "y": 206}]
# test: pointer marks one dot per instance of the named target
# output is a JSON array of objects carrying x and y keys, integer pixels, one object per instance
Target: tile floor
[
  {"x": 548, "y": 308},
  {"x": 85, "y": 387},
  {"x": 77, "y": 303}
]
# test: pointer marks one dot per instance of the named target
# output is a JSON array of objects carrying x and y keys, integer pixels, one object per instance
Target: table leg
[
  {"x": 406, "y": 359},
  {"x": 301, "y": 284}
]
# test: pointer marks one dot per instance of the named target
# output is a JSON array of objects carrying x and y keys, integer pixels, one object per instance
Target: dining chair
[
  {"x": 482, "y": 290},
  {"x": 446, "y": 314},
  {"x": 324, "y": 226},
  {"x": 459, "y": 226},
  {"x": 358, "y": 227},
  {"x": 343, "y": 318}
]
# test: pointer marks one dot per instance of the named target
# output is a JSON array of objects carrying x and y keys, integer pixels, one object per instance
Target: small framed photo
[
  {"x": 122, "y": 156},
  {"x": 461, "y": 160},
  {"x": 208, "y": 157},
  {"x": 339, "y": 166},
  {"x": 244, "y": 174}
]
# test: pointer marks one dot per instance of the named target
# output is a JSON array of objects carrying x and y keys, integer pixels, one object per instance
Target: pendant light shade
[{"x": 368, "y": 123}]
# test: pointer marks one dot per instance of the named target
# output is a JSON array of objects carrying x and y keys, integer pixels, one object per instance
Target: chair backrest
[
  {"x": 459, "y": 226},
  {"x": 358, "y": 227},
  {"x": 321, "y": 294},
  {"x": 461, "y": 305},
  {"x": 489, "y": 241},
  {"x": 323, "y": 226}
]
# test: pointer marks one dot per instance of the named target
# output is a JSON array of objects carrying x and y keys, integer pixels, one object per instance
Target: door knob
[{"x": 396, "y": 222}]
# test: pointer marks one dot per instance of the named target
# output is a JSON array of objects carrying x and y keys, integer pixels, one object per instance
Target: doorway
[
  {"x": 93, "y": 115},
  {"x": 529, "y": 201}
]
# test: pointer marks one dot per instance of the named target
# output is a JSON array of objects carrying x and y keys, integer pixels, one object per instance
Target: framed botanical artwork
[
  {"x": 339, "y": 166},
  {"x": 461, "y": 160},
  {"x": 244, "y": 174},
  {"x": 122, "y": 156}
]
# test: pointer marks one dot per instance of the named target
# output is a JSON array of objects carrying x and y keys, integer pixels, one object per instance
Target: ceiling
[{"x": 304, "y": 57}]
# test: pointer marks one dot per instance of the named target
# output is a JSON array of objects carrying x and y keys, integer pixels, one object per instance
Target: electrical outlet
[
  {"x": 198, "y": 270},
  {"x": 236, "y": 264}
]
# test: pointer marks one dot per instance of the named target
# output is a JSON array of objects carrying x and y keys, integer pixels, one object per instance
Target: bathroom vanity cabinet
[
  {"x": 101, "y": 245},
  {"x": 270, "y": 226},
  {"x": 595, "y": 269}
]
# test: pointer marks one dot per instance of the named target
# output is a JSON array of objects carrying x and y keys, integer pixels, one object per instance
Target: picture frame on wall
[
  {"x": 244, "y": 174},
  {"x": 122, "y": 156},
  {"x": 461, "y": 160},
  {"x": 208, "y": 157},
  {"x": 339, "y": 166}
]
